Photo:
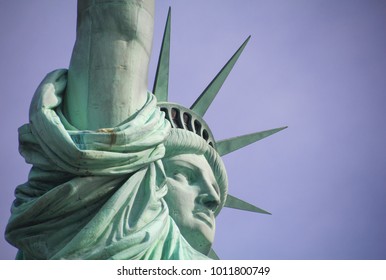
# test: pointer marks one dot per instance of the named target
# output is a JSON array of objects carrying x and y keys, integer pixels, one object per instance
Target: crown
[
  {"x": 184, "y": 118},
  {"x": 192, "y": 120}
]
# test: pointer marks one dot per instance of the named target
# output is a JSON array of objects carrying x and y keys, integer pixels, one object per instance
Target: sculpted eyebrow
[{"x": 185, "y": 164}]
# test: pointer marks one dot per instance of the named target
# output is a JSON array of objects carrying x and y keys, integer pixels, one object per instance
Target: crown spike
[
  {"x": 232, "y": 144},
  {"x": 161, "y": 81},
  {"x": 212, "y": 254},
  {"x": 236, "y": 203},
  {"x": 203, "y": 102}
]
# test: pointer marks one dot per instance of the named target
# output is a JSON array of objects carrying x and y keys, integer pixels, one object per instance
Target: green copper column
[{"x": 107, "y": 78}]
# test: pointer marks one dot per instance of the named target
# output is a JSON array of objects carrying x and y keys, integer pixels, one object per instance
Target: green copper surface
[
  {"x": 230, "y": 145},
  {"x": 161, "y": 82},
  {"x": 201, "y": 105},
  {"x": 212, "y": 254},
  {"x": 237, "y": 203},
  {"x": 108, "y": 72}
]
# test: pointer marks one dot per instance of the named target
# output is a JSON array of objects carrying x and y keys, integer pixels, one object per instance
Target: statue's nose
[{"x": 209, "y": 199}]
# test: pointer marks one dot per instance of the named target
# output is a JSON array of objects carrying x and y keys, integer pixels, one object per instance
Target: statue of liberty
[{"x": 119, "y": 172}]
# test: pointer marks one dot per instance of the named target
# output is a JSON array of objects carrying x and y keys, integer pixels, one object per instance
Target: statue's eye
[
  {"x": 184, "y": 176},
  {"x": 181, "y": 177}
]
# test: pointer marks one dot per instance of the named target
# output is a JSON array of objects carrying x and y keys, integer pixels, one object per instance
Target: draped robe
[{"x": 93, "y": 194}]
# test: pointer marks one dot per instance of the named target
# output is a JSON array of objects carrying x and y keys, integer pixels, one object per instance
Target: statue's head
[
  {"x": 196, "y": 176},
  {"x": 196, "y": 179}
]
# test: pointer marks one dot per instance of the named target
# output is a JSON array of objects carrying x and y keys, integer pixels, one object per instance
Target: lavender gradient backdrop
[{"x": 317, "y": 66}]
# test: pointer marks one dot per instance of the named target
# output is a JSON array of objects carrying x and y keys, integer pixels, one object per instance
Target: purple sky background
[{"x": 317, "y": 66}]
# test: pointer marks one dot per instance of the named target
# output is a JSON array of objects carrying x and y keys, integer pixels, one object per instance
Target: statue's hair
[{"x": 182, "y": 141}]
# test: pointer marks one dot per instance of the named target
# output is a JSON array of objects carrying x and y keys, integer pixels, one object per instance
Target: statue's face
[{"x": 193, "y": 197}]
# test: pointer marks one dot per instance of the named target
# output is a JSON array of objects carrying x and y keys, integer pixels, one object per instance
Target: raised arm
[{"x": 107, "y": 79}]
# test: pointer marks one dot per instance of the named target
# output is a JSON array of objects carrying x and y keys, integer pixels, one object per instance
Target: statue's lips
[{"x": 204, "y": 216}]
